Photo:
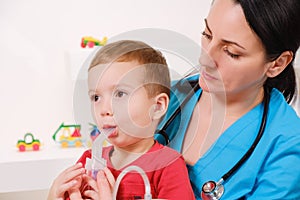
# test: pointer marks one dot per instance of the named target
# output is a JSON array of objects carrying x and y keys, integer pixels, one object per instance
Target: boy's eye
[
  {"x": 94, "y": 98},
  {"x": 120, "y": 94}
]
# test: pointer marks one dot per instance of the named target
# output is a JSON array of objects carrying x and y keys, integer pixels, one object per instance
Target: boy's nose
[
  {"x": 107, "y": 113},
  {"x": 106, "y": 108}
]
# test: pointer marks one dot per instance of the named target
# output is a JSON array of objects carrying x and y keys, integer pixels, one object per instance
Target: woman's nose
[{"x": 206, "y": 59}]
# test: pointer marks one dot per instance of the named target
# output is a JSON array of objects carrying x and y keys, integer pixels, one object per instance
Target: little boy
[{"x": 129, "y": 85}]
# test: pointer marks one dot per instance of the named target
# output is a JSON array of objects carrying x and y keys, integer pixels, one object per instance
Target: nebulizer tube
[
  {"x": 147, "y": 195},
  {"x": 96, "y": 163}
]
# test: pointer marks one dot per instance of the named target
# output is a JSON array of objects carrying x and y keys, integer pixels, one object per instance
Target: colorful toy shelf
[{"x": 34, "y": 170}]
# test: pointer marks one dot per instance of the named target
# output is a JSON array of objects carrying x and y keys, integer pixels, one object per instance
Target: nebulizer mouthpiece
[{"x": 97, "y": 163}]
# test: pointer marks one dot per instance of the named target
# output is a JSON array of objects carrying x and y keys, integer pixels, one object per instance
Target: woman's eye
[
  {"x": 206, "y": 35},
  {"x": 232, "y": 55}
]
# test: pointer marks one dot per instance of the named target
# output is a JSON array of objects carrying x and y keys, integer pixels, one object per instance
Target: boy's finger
[
  {"x": 110, "y": 177},
  {"x": 65, "y": 187},
  {"x": 72, "y": 172},
  {"x": 91, "y": 194},
  {"x": 73, "y": 167},
  {"x": 104, "y": 186},
  {"x": 90, "y": 182}
]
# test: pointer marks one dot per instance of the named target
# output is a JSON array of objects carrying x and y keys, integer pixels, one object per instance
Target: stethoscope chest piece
[{"x": 212, "y": 190}]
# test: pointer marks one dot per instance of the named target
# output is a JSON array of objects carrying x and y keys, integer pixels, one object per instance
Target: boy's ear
[
  {"x": 161, "y": 105},
  {"x": 278, "y": 65}
]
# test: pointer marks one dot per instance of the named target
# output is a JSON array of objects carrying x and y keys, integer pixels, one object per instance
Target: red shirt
[{"x": 166, "y": 171}]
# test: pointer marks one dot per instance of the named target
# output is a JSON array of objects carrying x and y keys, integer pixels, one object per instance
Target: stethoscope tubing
[
  {"x": 195, "y": 88},
  {"x": 217, "y": 190},
  {"x": 257, "y": 139}
]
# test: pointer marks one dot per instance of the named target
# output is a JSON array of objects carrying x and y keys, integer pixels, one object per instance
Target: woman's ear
[
  {"x": 278, "y": 65},
  {"x": 161, "y": 105}
]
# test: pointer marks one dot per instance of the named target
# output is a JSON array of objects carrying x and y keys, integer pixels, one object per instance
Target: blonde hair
[{"x": 157, "y": 76}]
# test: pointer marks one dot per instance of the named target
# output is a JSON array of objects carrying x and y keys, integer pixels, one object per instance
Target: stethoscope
[{"x": 212, "y": 190}]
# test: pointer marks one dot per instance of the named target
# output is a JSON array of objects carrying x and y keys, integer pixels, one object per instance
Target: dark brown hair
[{"x": 277, "y": 24}]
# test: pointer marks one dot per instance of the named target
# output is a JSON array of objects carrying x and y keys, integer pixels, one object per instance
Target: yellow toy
[
  {"x": 91, "y": 42},
  {"x": 69, "y": 135}
]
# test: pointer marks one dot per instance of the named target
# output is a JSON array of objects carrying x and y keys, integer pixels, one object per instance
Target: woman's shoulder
[
  {"x": 181, "y": 87},
  {"x": 283, "y": 121},
  {"x": 281, "y": 113}
]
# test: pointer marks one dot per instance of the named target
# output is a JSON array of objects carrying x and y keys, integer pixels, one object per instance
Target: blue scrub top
[{"x": 272, "y": 171}]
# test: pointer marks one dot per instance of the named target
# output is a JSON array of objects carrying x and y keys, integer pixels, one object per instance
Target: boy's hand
[
  {"x": 102, "y": 189},
  {"x": 67, "y": 181},
  {"x": 106, "y": 183}
]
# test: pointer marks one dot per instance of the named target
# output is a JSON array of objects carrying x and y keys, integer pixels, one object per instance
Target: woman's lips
[{"x": 207, "y": 76}]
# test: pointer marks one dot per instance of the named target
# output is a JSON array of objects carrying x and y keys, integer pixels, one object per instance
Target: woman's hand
[
  {"x": 102, "y": 189},
  {"x": 67, "y": 181}
]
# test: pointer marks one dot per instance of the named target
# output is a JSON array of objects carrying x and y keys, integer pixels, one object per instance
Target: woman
[{"x": 248, "y": 51}]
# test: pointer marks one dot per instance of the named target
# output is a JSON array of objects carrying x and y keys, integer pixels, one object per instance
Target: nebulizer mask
[{"x": 97, "y": 163}]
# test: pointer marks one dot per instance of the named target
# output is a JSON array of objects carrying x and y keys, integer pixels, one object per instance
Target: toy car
[
  {"x": 66, "y": 138},
  {"x": 29, "y": 143}
]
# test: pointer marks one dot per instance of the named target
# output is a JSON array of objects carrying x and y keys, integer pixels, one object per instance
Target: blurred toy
[
  {"x": 29, "y": 143},
  {"x": 91, "y": 42},
  {"x": 95, "y": 132},
  {"x": 64, "y": 136}
]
